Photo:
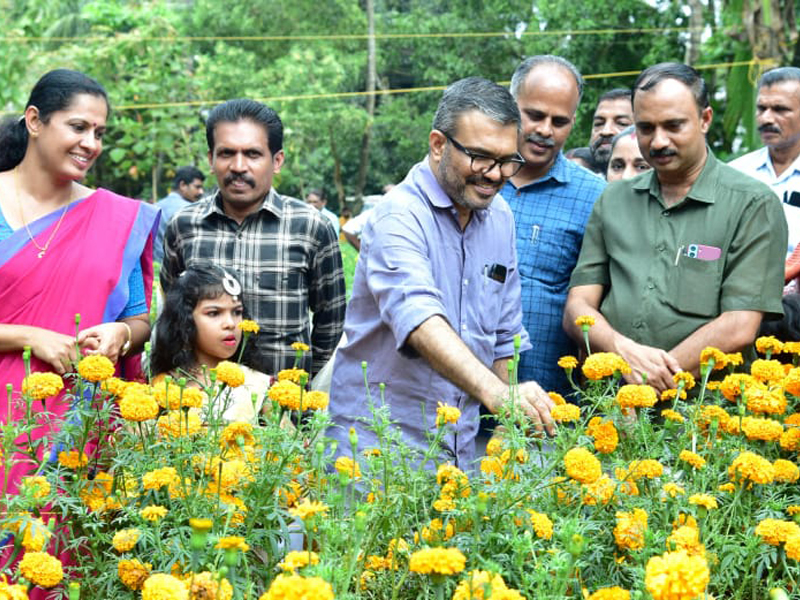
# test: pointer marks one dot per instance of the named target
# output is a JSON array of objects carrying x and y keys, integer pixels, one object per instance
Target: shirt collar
[
  {"x": 273, "y": 203},
  {"x": 558, "y": 171},
  {"x": 703, "y": 189}
]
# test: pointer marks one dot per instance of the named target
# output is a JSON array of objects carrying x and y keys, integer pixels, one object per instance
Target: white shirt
[{"x": 758, "y": 164}]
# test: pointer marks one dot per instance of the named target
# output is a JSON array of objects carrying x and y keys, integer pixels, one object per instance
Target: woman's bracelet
[{"x": 127, "y": 345}]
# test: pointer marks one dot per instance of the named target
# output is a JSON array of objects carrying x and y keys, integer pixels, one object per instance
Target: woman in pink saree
[{"x": 66, "y": 249}]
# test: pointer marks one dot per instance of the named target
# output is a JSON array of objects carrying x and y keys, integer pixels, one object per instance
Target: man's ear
[
  {"x": 277, "y": 161},
  {"x": 437, "y": 141}
]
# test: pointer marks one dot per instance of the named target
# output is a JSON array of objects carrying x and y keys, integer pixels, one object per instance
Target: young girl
[{"x": 199, "y": 328}]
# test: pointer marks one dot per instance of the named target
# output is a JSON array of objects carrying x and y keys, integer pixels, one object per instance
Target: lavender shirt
[{"x": 415, "y": 263}]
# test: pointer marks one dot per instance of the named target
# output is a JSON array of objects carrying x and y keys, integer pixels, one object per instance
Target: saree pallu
[{"x": 84, "y": 271}]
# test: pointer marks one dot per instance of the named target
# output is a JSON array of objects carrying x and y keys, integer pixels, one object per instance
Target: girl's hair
[
  {"x": 176, "y": 332},
  {"x": 52, "y": 93}
]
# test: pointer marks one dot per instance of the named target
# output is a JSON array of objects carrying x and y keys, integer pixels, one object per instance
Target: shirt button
[
  {"x": 466, "y": 282},
  {"x": 651, "y": 286},
  {"x": 463, "y": 327},
  {"x": 665, "y": 213},
  {"x": 638, "y": 325},
  {"x": 661, "y": 247}
]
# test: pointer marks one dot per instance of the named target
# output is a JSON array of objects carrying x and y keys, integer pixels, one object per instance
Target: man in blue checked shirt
[{"x": 551, "y": 198}]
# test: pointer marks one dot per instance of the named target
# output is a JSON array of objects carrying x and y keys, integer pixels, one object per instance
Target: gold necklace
[{"x": 42, "y": 249}]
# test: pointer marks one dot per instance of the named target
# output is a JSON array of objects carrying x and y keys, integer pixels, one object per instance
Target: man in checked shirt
[{"x": 284, "y": 251}]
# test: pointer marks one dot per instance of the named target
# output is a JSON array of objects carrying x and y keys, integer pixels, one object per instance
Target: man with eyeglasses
[
  {"x": 551, "y": 198},
  {"x": 436, "y": 294}
]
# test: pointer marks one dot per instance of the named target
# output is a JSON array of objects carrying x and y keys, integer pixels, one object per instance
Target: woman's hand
[
  {"x": 56, "y": 349},
  {"x": 106, "y": 339}
]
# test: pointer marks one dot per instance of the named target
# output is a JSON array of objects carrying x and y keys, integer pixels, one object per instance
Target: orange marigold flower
[
  {"x": 792, "y": 547},
  {"x": 713, "y": 356},
  {"x": 138, "y": 407},
  {"x": 710, "y": 413},
  {"x": 775, "y": 531},
  {"x": 769, "y": 344},
  {"x": 568, "y": 362},
  {"x": 604, "y": 364},
  {"x": 73, "y": 459},
  {"x": 636, "y": 396},
  {"x": 95, "y": 368},
  {"x": 557, "y": 398},
  {"x": 697, "y": 461},
  {"x": 767, "y": 370},
  {"x": 762, "y": 429},
  {"x": 542, "y": 525},
  {"x": 601, "y": 491},
  {"x": 790, "y": 439},
  {"x": 786, "y": 471},
  {"x": 229, "y": 373},
  {"x": 671, "y": 415},
  {"x": 771, "y": 402},
  {"x": 133, "y": 573},
  {"x": 748, "y": 465},
  {"x": 604, "y": 434},
  {"x": 437, "y": 561},
  {"x": 705, "y": 500},
  {"x": 731, "y": 387},
  {"x": 676, "y": 576},
  {"x": 793, "y": 419},
  {"x": 582, "y": 465},
  {"x": 41, "y": 386},
  {"x": 494, "y": 446},
  {"x": 791, "y": 383},
  {"x": 645, "y": 468},
  {"x": 565, "y": 412},
  {"x": 630, "y": 529}
]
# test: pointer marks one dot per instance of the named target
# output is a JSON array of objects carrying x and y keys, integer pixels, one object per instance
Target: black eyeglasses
[{"x": 482, "y": 164}]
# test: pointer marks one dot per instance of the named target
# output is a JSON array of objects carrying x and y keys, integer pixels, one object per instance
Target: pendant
[{"x": 41, "y": 254}]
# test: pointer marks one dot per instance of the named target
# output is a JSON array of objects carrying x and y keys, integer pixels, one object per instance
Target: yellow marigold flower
[
  {"x": 161, "y": 586},
  {"x": 114, "y": 386},
  {"x": 748, "y": 465},
  {"x": 446, "y": 414},
  {"x": 791, "y": 383},
  {"x": 308, "y": 509},
  {"x": 786, "y": 471},
  {"x": 158, "y": 478},
  {"x": 673, "y": 489},
  {"x": 676, "y": 576},
  {"x": 793, "y": 419},
  {"x": 684, "y": 520},
  {"x": 671, "y": 415},
  {"x": 436, "y": 531},
  {"x": 565, "y": 413},
  {"x": 35, "y": 535},
  {"x": 734, "y": 359},
  {"x": 133, "y": 573},
  {"x": 315, "y": 400},
  {"x": 73, "y": 459},
  {"x": 232, "y": 542},
  {"x": 293, "y": 375},
  {"x": 792, "y": 547},
  {"x": 710, "y": 413},
  {"x": 204, "y": 586},
  {"x": 447, "y": 472},
  {"x": 237, "y": 432},
  {"x": 201, "y": 525},
  {"x": 480, "y": 585},
  {"x": 645, "y": 468},
  {"x": 731, "y": 386},
  {"x": 602, "y": 491},
  {"x": 172, "y": 397},
  {"x": 582, "y": 465},
  {"x": 138, "y": 407},
  {"x": 95, "y": 368},
  {"x": 347, "y": 466},
  {"x": 728, "y": 488},
  {"x": 153, "y": 513},
  {"x": 444, "y": 503},
  {"x": 568, "y": 362},
  {"x": 584, "y": 321},
  {"x": 630, "y": 529},
  {"x": 229, "y": 373},
  {"x": 37, "y": 486},
  {"x": 791, "y": 347},
  {"x": 177, "y": 423},
  {"x": 557, "y": 398},
  {"x": 248, "y": 326},
  {"x": 437, "y": 561},
  {"x": 771, "y": 402},
  {"x": 10, "y": 591},
  {"x": 604, "y": 434},
  {"x": 125, "y": 539},
  {"x": 697, "y": 461},
  {"x": 790, "y": 439},
  {"x": 794, "y": 509},
  {"x": 288, "y": 587},
  {"x": 610, "y": 593},
  {"x": 705, "y": 500},
  {"x": 493, "y": 465},
  {"x": 300, "y": 346},
  {"x": 668, "y": 395},
  {"x": 41, "y": 386},
  {"x": 494, "y": 446},
  {"x": 769, "y": 344},
  {"x": 298, "y": 559},
  {"x": 604, "y": 364},
  {"x": 775, "y": 531},
  {"x": 635, "y": 396},
  {"x": 762, "y": 429},
  {"x": 686, "y": 377},
  {"x": 542, "y": 525},
  {"x": 710, "y": 354},
  {"x": 712, "y": 385},
  {"x": 767, "y": 370},
  {"x": 286, "y": 394},
  {"x": 41, "y": 569},
  {"x": 686, "y": 538}
]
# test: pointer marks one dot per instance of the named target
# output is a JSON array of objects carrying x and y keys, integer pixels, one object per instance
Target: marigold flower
[
  {"x": 790, "y": 439},
  {"x": 35, "y": 535},
  {"x": 557, "y": 398},
  {"x": 542, "y": 525},
  {"x": 161, "y": 586},
  {"x": 41, "y": 386},
  {"x": 584, "y": 321},
  {"x": 630, "y": 528},
  {"x": 645, "y": 468},
  {"x": 604, "y": 434},
  {"x": 565, "y": 413},
  {"x": 436, "y": 531},
  {"x": 676, "y": 576},
  {"x": 437, "y": 561},
  {"x": 766, "y": 401},
  {"x": 41, "y": 569},
  {"x": 232, "y": 542},
  {"x": 201, "y": 525},
  {"x": 37, "y": 486},
  {"x": 728, "y": 488},
  {"x": 133, "y": 573},
  {"x": 446, "y": 414},
  {"x": 767, "y": 370},
  {"x": 177, "y": 423},
  {"x": 733, "y": 383},
  {"x": 582, "y": 465},
  {"x": 10, "y": 591},
  {"x": 477, "y": 586},
  {"x": 248, "y": 326},
  {"x": 791, "y": 383},
  {"x": 775, "y": 531},
  {"x": 158, "y": 478},
  {"x": 447, "y": 472},
  {"x": 494, "y": 446},
  {"x": 73, "y": 459},
  {"x": 610, "y": 593},
  {"x": 300, "y": 346},
  {"x": 673, "y": 489},
  {"x": 298, "y": 559},
  {"x": 205, "y": 586},
  {"x": 710, "y": 354},
  {"x": 153, "y": 513},
  {"x": 138, "y": 407},
  {"x": 697, "y": 461},
  {"x": 444, "y": 503},
  {"x": 95, "y": 368},
  {"x": 636, "y": 396},
  {"x": 686, "y": 377},
  {"x": 347, "y": 466},
  {"x": 769, "y": 344},
  {"x": 705, "y": 500},
  {"x": 671, "y": 415},
  {"x": 786, "y": 471},
  {"x": 171, "y": 396},
  {"x": 236, "y": 432},
  {"x": 671, "y": 394},
  {"x": 687, "y": 539},
  {"x": 315, "y": 400},
  {"x": 734, "y": 359},
  {"x": 748, "y": 465},
  {"x": 568, "y": 362},
  {"x": 711, "y": 412},
  {"x": 125, "y": 539},
  {"x": 604, "y": 364},
  {"x": 294, "y": 375},
  {"x": 286, "y": 587},
  {"x": 308, "y": 509},
  {"x": 792, "y": 547},
  {"x": 794, "y": 509},
  {"x": 601, "y": 491},
  {"x": 286, "y": 394},
  {"x": 762, "y": 429}
]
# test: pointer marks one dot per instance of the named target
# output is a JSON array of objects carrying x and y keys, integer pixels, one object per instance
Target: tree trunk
[
  {"x": 337, "y": 169},
  {"x": 363, "y": 163},
  {"x": 766, "y": 22},
  {"x": 696, "y": 23}
]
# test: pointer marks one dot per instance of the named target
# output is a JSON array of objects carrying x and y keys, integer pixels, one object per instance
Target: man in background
[
  {"x": 613, "y": 113},
  {"x": 187, "y": 187}
]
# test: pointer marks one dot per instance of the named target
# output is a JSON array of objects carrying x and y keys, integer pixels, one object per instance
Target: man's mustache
[
  {"x": 542, "y": 141},
  {"x": 229, "y": 179},
  {"x": 769, "y": 128},
  {"x": 655, "y": 153}
]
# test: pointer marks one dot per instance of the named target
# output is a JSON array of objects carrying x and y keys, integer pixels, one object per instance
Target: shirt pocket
[
  {"x": 695, "y": 286},
  {"x": 548, "y": 253},
  {"x": 490, "y": 305}
]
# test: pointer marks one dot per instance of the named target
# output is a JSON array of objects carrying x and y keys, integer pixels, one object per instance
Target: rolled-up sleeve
[{"x": 592, "y": 267}]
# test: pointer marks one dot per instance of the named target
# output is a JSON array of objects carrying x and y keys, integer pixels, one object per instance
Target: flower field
[{"x": 144, "y": 492}]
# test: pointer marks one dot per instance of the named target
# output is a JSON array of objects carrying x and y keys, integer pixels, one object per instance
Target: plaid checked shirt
[
  {"x": 287, "y": 257},
  {"x": 551, "y": 215}
]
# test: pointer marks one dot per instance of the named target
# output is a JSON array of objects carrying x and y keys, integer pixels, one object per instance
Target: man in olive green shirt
[{"x": 685, "y": 256}]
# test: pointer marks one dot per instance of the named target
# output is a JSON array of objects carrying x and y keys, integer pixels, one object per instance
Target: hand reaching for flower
[
  {"x": 648, "y": 365},
  {"x": 106, "y": 339}
]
